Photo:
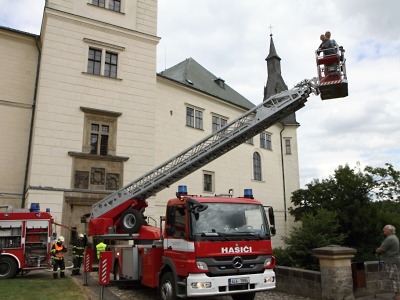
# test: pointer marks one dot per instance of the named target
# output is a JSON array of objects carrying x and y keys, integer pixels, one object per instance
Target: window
[
  {"x": 99, "y": 139},
  {"x": 114, "y": 5},
  {"x": 265, "y": 141},
  {"x": 176, "y": 219},
  {"x": 256, "y": 166},
  {"x": 100, "y": 3},
  {"x": 110, "y": 65},
  {"x": 100, "y": 131},
  {"x": 218, "y": 123},
  {"x": 208, "y": 182},
  {"x": 94, "y": 61},
  {"x": 103, "y": 58},
  {"x": 250, "y": 141},
  {"x": 194, "y": 118},
  {"x": 288, "y": 146}
]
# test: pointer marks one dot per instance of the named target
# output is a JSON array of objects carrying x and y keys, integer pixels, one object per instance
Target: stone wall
[
  {"x": 299, "y": 282},
  {"x": 374, "y": 279},
  {"x": 368, "y": 279}
]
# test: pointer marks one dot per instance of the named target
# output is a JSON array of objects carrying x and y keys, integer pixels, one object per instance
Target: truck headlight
[
  {"x": 269, "y": 279},
  {"x": 267, "y": 262},
  {"x": 201, "y": 265},
  {"x": 201, "y": 285}
]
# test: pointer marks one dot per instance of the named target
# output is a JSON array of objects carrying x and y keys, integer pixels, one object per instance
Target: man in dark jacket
[{"x": 78, "y": 250}]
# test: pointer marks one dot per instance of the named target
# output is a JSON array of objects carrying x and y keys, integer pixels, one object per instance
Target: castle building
[{"x": 84, "y": 112}]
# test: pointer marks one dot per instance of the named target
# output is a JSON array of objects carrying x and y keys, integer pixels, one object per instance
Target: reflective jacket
[
  {"x": 57, "y": 251},
  {"x": 100, "y": 247}
]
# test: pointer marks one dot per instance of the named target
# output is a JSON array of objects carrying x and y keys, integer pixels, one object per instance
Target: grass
[{"x": 39, "y": 287}]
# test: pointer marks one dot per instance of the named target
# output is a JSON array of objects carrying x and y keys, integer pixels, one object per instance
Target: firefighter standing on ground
[
  {"x": 100, "y": 247},
  {"x": 57, "y": 257},
  {"x": 78, "y": 252}
]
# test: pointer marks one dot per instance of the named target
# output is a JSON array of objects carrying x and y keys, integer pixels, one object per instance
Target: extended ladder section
[{"x": 211, "y": 147}]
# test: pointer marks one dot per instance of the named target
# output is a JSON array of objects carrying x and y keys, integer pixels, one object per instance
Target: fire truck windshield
[{"x": 229, "y": 220}]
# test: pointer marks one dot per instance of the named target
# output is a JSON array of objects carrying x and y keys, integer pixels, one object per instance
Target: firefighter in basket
[
  {"x": 57, "y": 257},
  {"x": 78, "y": 253}
]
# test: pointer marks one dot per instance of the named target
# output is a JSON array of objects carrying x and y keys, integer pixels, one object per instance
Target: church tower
[
  {"x": 275, "y": 83},
  {"x": 286, "y": 137}
]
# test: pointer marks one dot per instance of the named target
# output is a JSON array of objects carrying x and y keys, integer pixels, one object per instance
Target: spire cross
[{"x": 270, "y": 29}]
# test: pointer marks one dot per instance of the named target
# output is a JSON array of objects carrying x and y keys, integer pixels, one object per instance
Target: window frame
[
  {"x": 257, "y": 166},
  {"x": 208, "y": 185},
  {"x": 93, "y": 2},
  {"x": 194, "y": 117},
  {"x": 266, "y": 140},
  {"x": 218, "y": 122},
  {"x": 111, "y": 5},
  {"x": 288, "y": 146},
  {"x": 106, "y": 49},
  {"x": 109, "y": 65},
  {"x": 103, "y": 118}
]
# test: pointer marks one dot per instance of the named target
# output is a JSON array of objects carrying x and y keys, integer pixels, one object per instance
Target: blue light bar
[
  {"x": 248, "y": 193},
  {"x": 182, "y": 190}
]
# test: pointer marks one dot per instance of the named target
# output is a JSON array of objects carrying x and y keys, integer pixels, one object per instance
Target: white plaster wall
[
  {"x": 17, "y": 85},
  {"x": 65, "y": 87}
]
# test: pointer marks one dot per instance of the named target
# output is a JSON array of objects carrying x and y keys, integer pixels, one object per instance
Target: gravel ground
[{"x": 141, "y": 293}]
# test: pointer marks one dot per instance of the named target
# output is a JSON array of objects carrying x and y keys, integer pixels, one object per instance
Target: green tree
[
  {"x": 360, "y": 201},
  {"x": 316, "y": 231}
]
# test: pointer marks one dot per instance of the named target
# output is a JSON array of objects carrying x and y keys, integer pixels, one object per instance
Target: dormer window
[{"x": 220, "y": 82}]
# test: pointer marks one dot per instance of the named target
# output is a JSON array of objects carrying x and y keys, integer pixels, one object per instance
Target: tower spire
[{"x": 275, "y": 83}]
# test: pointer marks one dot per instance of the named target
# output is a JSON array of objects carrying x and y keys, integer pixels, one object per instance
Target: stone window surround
[{"x": 103, "y": 117}]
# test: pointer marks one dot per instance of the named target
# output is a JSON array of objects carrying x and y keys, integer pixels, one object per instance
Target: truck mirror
[
  {"x": 273, "y": 230},
  {"x": 271, "y": 216},
  {"x": 54, "y": 236}
]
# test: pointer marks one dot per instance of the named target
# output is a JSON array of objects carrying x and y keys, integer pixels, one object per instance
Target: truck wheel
[
  {"x": 168, "y": 287},
  {"x": 245, "y": 296},
  {"x": 8, "y": 267},
  {"x": 131, "y": 221}
]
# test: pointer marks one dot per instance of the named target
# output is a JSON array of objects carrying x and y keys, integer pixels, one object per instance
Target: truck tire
[
  {"x": 244, "y": 296},
  {"x": 167, "y": 289},
  {"x": 131, "y": 221},
  {"x": 8, "y": 267}
]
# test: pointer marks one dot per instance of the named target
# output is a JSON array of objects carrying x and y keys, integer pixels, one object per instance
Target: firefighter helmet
[
  {"x": 61, "y": 239},
  {"x": 81, "y": 235}
]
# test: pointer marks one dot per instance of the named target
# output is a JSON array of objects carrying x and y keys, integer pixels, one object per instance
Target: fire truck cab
[
  {"x": 219, "y": 245},
  {"x": 25, "y": 240}
]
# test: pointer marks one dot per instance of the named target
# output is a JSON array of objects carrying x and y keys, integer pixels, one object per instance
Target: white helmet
[
  {"x": 81, "y": 235},
  {"x": 61, "y": 239}
]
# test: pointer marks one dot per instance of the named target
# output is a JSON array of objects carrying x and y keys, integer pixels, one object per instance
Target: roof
[
  {"x": 191, "y": 74},
  {"x": 18, "y": 31}
]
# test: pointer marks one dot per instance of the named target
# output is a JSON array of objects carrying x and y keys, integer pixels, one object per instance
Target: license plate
[{"x": 242, "y": 280}]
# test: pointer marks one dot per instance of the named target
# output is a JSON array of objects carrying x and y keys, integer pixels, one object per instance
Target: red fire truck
[
  {"x": 25, "y": 240},
  {"x": 217, "y": 245}
]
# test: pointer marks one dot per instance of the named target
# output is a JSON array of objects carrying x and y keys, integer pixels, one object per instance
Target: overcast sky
[{"x": 231, "y": 39}]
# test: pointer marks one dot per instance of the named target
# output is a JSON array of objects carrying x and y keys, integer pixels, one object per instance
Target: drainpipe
[
  {"x": 28, "y": 158},
  {"x": 283, "y": 173}
]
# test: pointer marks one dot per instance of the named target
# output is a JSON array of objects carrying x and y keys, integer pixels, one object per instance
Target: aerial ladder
[{"x": 122, "y": 211}]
